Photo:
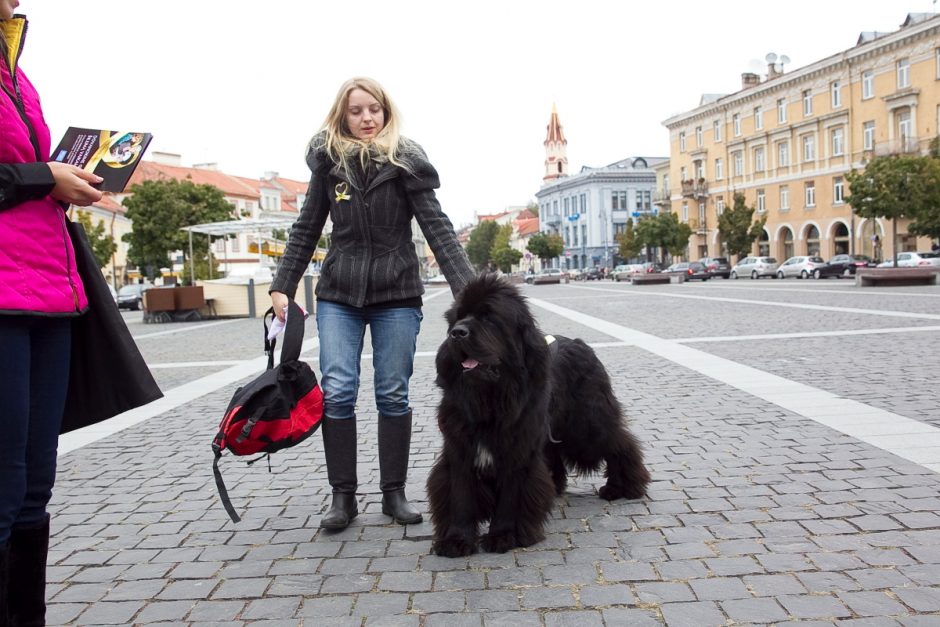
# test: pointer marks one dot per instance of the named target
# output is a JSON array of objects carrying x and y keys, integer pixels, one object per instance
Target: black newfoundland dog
[{"x": 518, "y": 409}]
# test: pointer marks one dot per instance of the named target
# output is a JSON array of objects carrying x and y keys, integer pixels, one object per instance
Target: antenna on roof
[{"x": 775, "y": 64}]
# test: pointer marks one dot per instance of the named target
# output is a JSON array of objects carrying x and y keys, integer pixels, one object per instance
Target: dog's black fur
[{"x": 515, "y": 413}]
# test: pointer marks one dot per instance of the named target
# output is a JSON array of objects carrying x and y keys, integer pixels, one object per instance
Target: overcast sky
[{"x": 245, "y": 84}]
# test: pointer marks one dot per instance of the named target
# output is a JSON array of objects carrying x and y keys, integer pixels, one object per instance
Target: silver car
[
  {"x": 800, "y": 266},
  {"x": 755, "y": 267},
  {"x": 913, "y": 260}
]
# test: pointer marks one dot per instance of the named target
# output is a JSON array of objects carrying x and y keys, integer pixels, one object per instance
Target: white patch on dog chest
[{"x": 484, "y": 459}]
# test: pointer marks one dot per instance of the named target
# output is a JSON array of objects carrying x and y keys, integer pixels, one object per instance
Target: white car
[
  {"x": 800, "y": 266},
  {"x": 625, "y": 272},
  {"x": 549, "y": 275},
  {"x": 755, "y": 267},
  {"x": 913, "y": 260}
]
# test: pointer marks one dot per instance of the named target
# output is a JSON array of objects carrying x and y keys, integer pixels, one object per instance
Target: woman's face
[
  {"x": 7, "y": 8},
  {"x": 365, "y": 117}
]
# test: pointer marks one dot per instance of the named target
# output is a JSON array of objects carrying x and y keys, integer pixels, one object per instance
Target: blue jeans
[
  {"x": 341, "y": 329},
  {"x": 34, "y": 374}
]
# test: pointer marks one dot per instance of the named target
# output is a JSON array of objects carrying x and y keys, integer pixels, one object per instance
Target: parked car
[
  {"x": 913, "y": 260},
  {"x": 843, "y": 266},
  {"x": 574, "y": 274},
  {"x": 717, "y": 266},
  {"x": 113, "y": 292},
  {"x": 691, "y": 269},
  {"x": 626, "y": 271},
  {"x": 755, "y": 267},
  {"x": 131, "y": 296},
  {"x": 592, "y": 274},
  {"x": 800, "y": 266},
  {"x": 549, "y": 275}
]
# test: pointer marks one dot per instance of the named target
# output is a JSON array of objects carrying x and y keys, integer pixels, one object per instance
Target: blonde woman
[{"x": 371, "y": 181}]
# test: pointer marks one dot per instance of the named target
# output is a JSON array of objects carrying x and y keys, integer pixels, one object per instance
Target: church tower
[{"x": 556, "y": 150}]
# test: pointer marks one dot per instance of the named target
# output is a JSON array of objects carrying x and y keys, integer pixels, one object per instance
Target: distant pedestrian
[
  {"x": 40, "y": 293},
  {"x": 936, "y": 247},
  {"x": 371, "y": 182}
]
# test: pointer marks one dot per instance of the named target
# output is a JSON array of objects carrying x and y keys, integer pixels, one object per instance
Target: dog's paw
[
  {"x": 453, "y": 546},
  {"x": 498, "y": 542},
  {"x": 613, "y": 492}
]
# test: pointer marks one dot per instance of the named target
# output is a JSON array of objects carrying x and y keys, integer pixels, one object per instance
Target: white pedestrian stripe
[{"x": 907, "y": 438}]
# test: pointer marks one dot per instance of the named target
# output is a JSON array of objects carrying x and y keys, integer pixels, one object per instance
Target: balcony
[
  {"x": 904, "y": 145},
  {"x": 661, "y": 197},
  {"x": 694, "y": 188},
  {"x": 551, "y": 219},
  {"x": 697, "y": 226}
]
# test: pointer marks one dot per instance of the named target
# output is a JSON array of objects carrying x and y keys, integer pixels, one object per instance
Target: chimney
[
  {"x": 772, "y": 71},
  {"x": 166, "y": 158},
  {"x": 207, "y": 166},
  {"x": 749, "y": 79}
]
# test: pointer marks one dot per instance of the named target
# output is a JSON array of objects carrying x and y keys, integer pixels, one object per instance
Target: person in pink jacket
[{"x": 40, "y": 292}]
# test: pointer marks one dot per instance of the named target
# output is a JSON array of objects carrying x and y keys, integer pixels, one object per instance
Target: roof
[
  {"x": 108, "y": 203},
  {"x": 555, "y": 133},
  {"x": 229, "y": 185},
  {"x": 527, "y": 226},
  {"x": 231, "y": 227}
]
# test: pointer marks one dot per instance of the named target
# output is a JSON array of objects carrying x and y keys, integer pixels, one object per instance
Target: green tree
[
  {"x": 546, "y": 246},
  {"x": 663, "y": 231},
  {"x": 480, "y": 246},
  {"x": 533, "y": 207},
  {"x": 102, "y": 244},
  {"x": 630, "y": 246},
  {"x": 899, "y": 186},
  {"x": 502, "y": 254},
  {"x": 159, "y": 209},
  {"x": 737, "y": 229}
]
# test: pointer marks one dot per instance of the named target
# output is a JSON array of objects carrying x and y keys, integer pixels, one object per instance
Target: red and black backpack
[{"x": 279, "y": 409}]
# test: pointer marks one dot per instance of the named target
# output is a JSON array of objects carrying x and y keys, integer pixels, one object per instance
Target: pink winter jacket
[{"x": 37, "y": 262}]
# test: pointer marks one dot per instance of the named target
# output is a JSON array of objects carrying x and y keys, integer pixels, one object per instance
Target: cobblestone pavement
[{"x": 757, "y": 515}]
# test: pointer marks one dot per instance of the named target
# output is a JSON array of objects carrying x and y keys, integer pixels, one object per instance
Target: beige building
[{"x": 788, "y": 141}]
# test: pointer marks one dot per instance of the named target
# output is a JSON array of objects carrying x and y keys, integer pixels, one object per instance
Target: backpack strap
[
  {"x": 293, "y": 333},
  {"x": 269, "y": 344},
  {"x": 223, "y": 492}
]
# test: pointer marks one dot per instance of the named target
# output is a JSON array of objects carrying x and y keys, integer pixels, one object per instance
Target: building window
[
  {"x": 868, "y": 136},
  {"x": 835, "y": 93},
  {"x": 807, "y": 103},
  {"x": 685, "y": 212},
  {"x": 566, "y": 207},
  {"x": 701, "y": 215},
  {"x": 719, "y": 206},
  {"x": 555, "y": 207},
  {"x": 236, "y": 244},
  {"x": 583, "y": 201},
  {"x": 682, "y": 174},
  {"x": 784, "y": 198},
  {"x": 758, "y": 118},
  {"x": 682, "y": 141},
  {"x": 809, "y": 148},
  {"x": 761, "y": 201},
  {"x": 220, "y": 245},
  {"x": 700, "y": 169},
  {"x": 937, "y": 56},
  {"x": 809, "y": 194},
  {"x": 783, "y": 154},
  {"x": 759, "y": 160},
  {"x": 716, "y": 129},
  {"x": 838, "y": 142},
  {"x": 699, "y": 137},
  {"x": 868, "y": 84},
  {"x": 838, "y": 190},
  {"x": 736, "y": 124},
  {"x": 782, "y": 111},
  {"x": 574, "y": 242},
  {"x": 905, "y": 127},
  {"x": 904, "y": 73},
  {"x": 738, "y": 163},
  {"x": 719, "y": 169}
]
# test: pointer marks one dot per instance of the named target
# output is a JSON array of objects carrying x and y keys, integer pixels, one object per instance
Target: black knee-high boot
[
  {"x": 339, "y": 445},
  {"x": 4, "y": 582},
  {"x": 26, "y": 572},
  {"x": 394, "y": 446}
]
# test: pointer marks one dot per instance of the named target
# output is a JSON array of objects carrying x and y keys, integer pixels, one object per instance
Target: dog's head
[{"x": 491, "y": 334}]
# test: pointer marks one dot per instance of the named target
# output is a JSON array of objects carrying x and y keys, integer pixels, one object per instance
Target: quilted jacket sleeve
[
  {"x": 438, "y": 230},
  {"x": 20, "y": 182}
]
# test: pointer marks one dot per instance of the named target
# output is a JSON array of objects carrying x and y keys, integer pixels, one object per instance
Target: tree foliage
[
  {"x": 159, "y": 209},
  {"x": 737, "y": 229},
  {"x": 663, "y": 231},
  {"x": 546, "y": 246},
  {"x": 502, "y": 254},
  {"x": 102, "y": 244},
  {"x": 480, "y": 246},
  {"x": 629, "y": 244}
]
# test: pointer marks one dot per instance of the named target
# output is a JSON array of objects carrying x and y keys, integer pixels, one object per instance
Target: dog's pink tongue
[{"x": 469, "y": 363}]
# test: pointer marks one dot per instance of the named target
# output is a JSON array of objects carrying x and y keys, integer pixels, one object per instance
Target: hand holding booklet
[{"x": 112, "y": 155}]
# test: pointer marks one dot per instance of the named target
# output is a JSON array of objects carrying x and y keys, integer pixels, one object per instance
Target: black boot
[
  {"x": 394, "y": 445},
  {"x": 26, "y": 572},
  {"x": 4, "y": 579},
  {"x": 339, "y": 445}
]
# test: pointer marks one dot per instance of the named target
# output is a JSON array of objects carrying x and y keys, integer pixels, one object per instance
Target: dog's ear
[{"x": 536, "y": 348}]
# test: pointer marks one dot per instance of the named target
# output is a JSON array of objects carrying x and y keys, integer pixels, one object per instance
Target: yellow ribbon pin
[{"x": 341, "y": 189}]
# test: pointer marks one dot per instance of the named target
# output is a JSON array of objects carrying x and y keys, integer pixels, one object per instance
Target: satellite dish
[
  {"x": 784, "y": 59},
  {"x": 771, "y": 57}
]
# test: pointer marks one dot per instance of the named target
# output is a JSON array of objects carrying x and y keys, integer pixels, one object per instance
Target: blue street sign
[
  {"x": 573, "y": 217},
  {"x": 635, "y": 214}
]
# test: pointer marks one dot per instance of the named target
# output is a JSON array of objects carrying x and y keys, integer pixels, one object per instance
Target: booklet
[{"x": 112, "y": 155}]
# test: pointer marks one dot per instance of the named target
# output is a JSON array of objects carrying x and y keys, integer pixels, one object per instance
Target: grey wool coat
[{"x": 372, "y": 258}]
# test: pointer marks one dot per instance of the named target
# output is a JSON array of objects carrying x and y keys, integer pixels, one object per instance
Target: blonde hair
[{"x": 339, "y": 141}]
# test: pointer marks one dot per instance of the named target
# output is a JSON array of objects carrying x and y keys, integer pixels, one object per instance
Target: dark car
[
  {"x": 592, "y": 274},
  {"x": 717, "y": 266},
  {"x": 692, "y": 270},
  {"x": 131, "y": 296},
  {"x": 843, "y": 266}
]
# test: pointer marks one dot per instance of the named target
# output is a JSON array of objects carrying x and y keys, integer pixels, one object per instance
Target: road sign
[
  {"x": 573, "y": 217},
  {"x": 567, "y": 253}
]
